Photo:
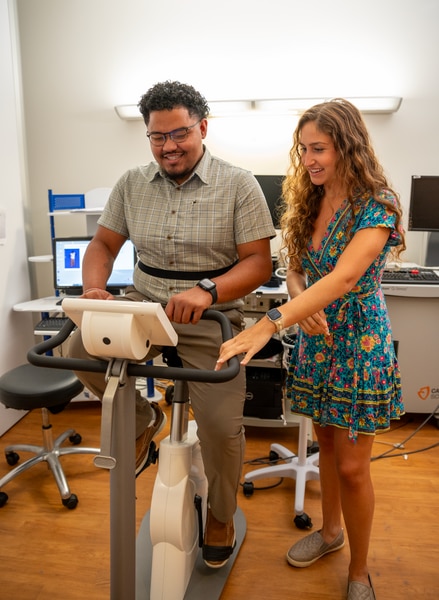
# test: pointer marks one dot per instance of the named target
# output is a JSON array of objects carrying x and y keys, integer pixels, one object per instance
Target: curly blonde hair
[{"x": 357, "y": 166}]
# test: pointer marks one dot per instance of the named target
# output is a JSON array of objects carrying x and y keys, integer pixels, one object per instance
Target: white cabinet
[{"x": 415, "y": 327}]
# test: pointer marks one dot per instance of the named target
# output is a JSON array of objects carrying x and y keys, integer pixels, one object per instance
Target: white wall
[
  {"x": 81, "y": 58},
  {"x": 16, "y": 328}
]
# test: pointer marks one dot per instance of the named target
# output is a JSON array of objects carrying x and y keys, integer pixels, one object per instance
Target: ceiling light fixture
[
  {"x": 128, "y": 112},
  {"x": 282, "y": 106}
]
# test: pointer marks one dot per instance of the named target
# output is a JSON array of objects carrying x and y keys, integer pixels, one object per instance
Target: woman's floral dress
[{"x": 349, "y": 379}]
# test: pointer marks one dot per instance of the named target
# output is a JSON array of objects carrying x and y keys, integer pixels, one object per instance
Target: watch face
[
  {"x": 274, "y": 314},
  {"x": 206, "y": 284}
]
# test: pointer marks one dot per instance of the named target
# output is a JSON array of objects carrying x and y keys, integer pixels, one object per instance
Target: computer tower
[{"x": 264, "y": 392}]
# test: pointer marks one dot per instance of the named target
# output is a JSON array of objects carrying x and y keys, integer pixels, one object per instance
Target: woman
[{"x": 340, "y": 224}]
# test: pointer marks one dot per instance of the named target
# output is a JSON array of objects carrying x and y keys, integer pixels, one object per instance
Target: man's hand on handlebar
[{"x": 188, "y": 306}]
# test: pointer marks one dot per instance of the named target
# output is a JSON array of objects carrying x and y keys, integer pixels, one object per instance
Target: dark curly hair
[{"x": 173, "y": 94}]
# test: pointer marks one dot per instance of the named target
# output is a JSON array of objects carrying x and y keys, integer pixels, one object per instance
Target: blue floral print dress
[{"x": 351, "y": 378}]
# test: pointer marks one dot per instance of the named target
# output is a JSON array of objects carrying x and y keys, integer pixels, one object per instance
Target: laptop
[{"x": 68, "y": 256}]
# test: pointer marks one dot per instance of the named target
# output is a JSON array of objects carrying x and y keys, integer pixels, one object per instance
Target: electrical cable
[
  {"x": 390, "y": 453},
  {"x": 405, "y": 454},
  {"x": 267, "y": 460},
  {"x": 265, "y": 487}
]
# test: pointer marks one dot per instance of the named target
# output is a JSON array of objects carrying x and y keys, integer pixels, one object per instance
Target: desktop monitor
[
  {"x": 424, "y": 203},
  {"x": 68, "y": 254},
  {"x": 272, "y": 187}
]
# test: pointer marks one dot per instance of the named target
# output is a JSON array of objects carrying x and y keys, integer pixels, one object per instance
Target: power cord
[
  {"x": 265, "y": 487},
  {"x": 391, "y": 452},
  {"x": 271, "y": 460}
]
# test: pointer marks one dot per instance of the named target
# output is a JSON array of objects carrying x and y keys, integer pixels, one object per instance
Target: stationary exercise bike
[{"x": 165, "y": 563}]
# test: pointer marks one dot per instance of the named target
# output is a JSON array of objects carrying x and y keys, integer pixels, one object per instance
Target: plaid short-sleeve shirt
[{"x": 195, "y": 226}]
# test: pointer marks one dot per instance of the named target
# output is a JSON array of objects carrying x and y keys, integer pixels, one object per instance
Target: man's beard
[{"x": 179, "y": 175}]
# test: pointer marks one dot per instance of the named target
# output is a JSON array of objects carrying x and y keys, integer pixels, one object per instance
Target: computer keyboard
[
  {"x": 50, "y": 325},
  {"x": 412, "y": 276}
]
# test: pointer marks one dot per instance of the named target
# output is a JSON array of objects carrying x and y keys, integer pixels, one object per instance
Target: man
[{"x": 201, "y": 228}]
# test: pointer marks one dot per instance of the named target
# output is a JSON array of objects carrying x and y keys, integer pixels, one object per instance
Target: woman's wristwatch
[{"x": 275, "y": 316}]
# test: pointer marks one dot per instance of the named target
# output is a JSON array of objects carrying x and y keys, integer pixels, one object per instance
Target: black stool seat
[{"x": 27, "y": 387}]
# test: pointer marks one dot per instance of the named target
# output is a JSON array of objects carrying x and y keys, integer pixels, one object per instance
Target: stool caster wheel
[
  {"x": 75, "y": 439},
  {"x": 12, "y": 458},
  {"x": 273, "y": 456},
  {"x": 248, "y": 488},
  {"x": 3, "y": 499},
  {"x": 169, "y": 394},
  {"x": 71, "y": 502},
  {"x": 303, "y": 521},
  {"x": 313, "y": 449}
]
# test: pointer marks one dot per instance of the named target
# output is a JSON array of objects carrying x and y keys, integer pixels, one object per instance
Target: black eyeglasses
[{"x": 177, "y": 135}]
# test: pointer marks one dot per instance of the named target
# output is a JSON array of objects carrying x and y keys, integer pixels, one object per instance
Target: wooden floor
[{"x": 50, "y": 552}]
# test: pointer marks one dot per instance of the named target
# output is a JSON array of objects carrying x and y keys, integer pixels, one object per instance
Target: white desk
[
  {"x": 412, "y": 290},
  {"x": 414, "y": 316},
  {"x": 41, "y": 305}
]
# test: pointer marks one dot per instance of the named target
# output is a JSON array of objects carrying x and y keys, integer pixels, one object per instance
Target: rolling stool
[{"x": 27, "y": 387}]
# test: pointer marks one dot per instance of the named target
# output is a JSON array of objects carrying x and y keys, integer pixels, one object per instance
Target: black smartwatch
[
  {"x": 275, "y": 316},
  {"x": 209, "y": 286}
]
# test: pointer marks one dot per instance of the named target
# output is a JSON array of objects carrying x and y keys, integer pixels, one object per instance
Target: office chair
[
  {"x": 303, "y": 466},
  {"x": 28, "y": 387}
]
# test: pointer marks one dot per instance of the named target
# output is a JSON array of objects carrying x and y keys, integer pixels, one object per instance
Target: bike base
[{"x": 204, "y": 582}]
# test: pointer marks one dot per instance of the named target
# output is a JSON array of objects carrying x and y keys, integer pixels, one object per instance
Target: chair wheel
[
  {"x": 248, "y": 488},
  {"x": 273, "y": 456},
  {"x": 313, "y": 449},
  {"x": 3, "y": 499},
  {"x": 12, "y": 458},
  {"x": 303, "y": 521},
  {"x": 71, "y": 502},
  {"x": 75, "y": 439}
]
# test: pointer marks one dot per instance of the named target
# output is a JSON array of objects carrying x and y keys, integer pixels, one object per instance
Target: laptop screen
[{"x": 68, "y": 254}]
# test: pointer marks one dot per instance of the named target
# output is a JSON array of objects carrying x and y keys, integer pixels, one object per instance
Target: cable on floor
[
  {"x": 268, "y": 461},
  {"x": 391, "y": 452},
  {"x": 265, "y": 487}
]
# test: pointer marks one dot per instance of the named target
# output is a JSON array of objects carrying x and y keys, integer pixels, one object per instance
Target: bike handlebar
[{"x": 37, "y": 356}]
